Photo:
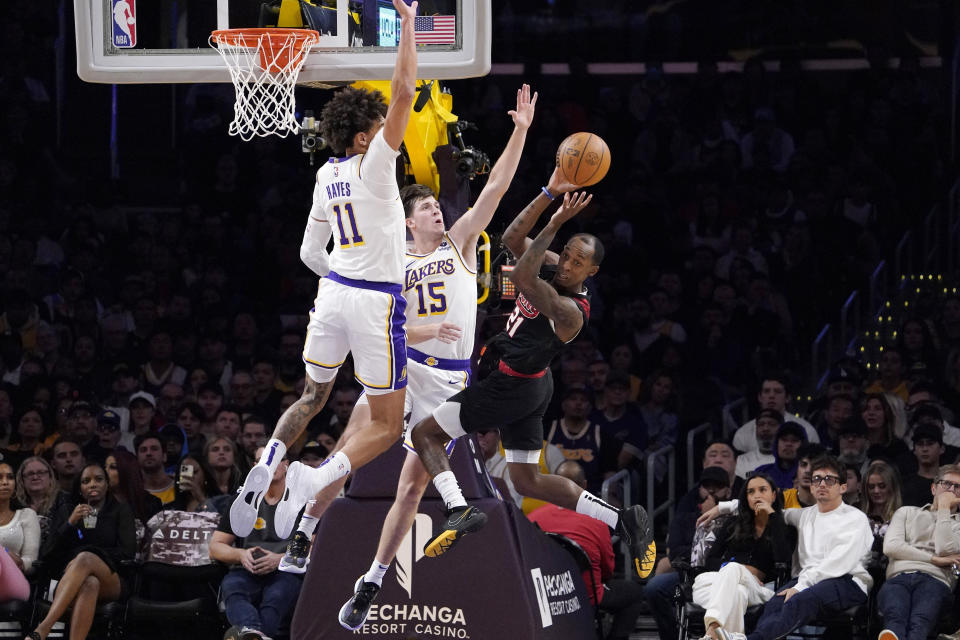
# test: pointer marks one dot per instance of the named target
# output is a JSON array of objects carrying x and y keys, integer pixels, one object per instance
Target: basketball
[{"x": 583, "y": 158}]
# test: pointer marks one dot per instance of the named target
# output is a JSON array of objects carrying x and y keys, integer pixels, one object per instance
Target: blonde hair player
[
  {"x": 441, "y": 292},
  {"x": 359, "y": 306}
]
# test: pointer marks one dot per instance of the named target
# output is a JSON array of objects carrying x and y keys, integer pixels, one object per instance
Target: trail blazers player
[{"x": 514, "y": 397}]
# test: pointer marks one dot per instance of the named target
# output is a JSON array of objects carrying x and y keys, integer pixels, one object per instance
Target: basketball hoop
[{"x": 264, "y": 65}]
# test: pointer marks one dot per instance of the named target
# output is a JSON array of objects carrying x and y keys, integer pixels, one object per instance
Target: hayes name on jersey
[{"x": 338, "y": 190}]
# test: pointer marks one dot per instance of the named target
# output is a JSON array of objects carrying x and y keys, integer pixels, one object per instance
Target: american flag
[{"x": 435, "y": 29}]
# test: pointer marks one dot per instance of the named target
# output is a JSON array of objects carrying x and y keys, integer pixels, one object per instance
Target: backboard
[{"x": 165, "y": 41}]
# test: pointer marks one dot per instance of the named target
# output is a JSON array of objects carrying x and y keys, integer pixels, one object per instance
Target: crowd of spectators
[
  {"x": 148, "y": 346},
  {"x": 617, "y": 30}
]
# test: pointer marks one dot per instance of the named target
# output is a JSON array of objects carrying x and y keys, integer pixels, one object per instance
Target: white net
[{"x": 264, "y": 65}]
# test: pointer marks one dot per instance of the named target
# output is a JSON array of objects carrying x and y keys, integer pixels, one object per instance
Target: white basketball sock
[
  {"x": 332, "y": 469},
  {"x": 590, "y": 505},
  {"x": 376, "y": 572},
  {"x": 446, "y": 484},
  {"x": 308, "y": 524},
  {"x": 273, "y": 453}
]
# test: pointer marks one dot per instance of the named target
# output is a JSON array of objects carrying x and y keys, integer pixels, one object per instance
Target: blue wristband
[{"x": 546, "y": 192}]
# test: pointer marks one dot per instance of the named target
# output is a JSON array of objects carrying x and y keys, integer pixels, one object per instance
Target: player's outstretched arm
[
  {"x": 467, "y": 229},
  {"x": 403, "y": 86},
  {"x": 516, "y": 237},
  {"x": 561, "y": 309}
]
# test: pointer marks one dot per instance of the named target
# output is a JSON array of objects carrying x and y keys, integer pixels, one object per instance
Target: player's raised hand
[
  {"x": 559, "y": 184},
  {"x": 573, "y": 203},
  {"x": 405, "y": 10},
  {"x": 523, "y": 115}
]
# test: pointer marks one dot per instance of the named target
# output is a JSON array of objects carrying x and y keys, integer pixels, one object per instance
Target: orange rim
[
  {"x": 250, "y": 37},
  {"x": 277, "y": 49}
]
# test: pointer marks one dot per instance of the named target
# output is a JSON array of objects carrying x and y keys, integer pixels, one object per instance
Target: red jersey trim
[{"x": 505, "y": 368}]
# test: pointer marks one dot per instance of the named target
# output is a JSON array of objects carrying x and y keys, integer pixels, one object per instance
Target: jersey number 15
[{"x": 438, "y": 301}]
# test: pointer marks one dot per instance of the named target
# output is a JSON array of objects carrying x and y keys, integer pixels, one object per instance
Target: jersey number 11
[{"x": 356, "y": 239}]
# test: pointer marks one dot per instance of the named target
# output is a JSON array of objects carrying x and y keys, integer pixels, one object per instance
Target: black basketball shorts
[{"x": 511, "y": 404}]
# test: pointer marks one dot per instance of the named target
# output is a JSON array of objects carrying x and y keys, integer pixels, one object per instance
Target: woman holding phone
[
  {"x": 192, "y": 487},
  {"x": 91, "y": 540}
]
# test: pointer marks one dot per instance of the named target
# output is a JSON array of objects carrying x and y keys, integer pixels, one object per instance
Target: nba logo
[{"x": 124, "y": 23}]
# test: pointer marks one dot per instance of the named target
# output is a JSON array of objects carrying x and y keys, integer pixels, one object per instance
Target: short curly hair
[{"x": 349, "y": 112}]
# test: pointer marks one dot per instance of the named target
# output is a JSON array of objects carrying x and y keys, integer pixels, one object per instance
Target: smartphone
[
  {"x": 258, "y": 553},
  {"x": 186, "y": 477}
]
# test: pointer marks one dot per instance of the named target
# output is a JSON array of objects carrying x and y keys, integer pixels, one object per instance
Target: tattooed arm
[
  {"x": 516, "y": 237},
  {"x": 562, "y": 310}
]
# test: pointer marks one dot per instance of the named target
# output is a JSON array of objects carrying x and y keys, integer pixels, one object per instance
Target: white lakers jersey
[
  {"x": 440, "y": 288},
  {"x": 359, "y": 198}
]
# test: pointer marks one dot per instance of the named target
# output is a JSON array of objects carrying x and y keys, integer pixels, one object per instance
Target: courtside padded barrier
[
  {"x": 378, "y": 479},
  {"x": 508, "y": 580}
]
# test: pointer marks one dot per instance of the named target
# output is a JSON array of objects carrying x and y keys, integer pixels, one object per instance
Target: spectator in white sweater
[
  {"x": 923, "y": 544},
  {"x": 19, "y": 528},
  {"x": 19, "y": 536},
  {"x": 833, "y": 549}
]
